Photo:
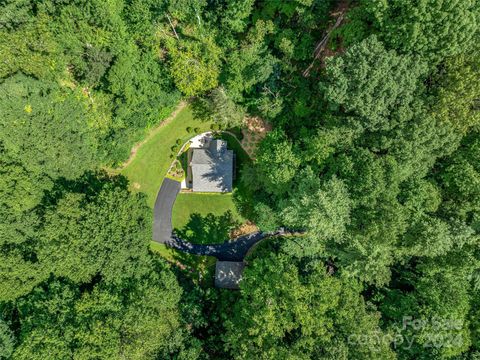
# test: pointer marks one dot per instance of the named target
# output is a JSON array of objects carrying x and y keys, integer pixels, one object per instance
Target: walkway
[{"x": 230, "y": 250}]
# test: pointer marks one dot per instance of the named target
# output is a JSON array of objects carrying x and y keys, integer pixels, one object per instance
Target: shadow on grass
[{"x": 208, "y": 229}]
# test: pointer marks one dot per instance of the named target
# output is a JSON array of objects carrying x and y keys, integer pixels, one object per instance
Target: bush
[
  {"x": 189, "y": 129},
  {"x": 179, "y": 142},
  {"x": 197, "y": 130},
  {"x": 175, "y": 148},
  {"x": 214, "y": 127}
]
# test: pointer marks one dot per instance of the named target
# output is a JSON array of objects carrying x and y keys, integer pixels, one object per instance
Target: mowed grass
[
  {"x": 150, "y": 165},
  {"x": 203, "y": 204}
]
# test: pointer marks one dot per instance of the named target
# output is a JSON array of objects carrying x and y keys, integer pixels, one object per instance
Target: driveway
[
  {"x": 230, "y": 250},
  {"x": 162, "y": 211}
]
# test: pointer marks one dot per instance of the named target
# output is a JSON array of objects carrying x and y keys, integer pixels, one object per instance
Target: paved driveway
[
  {"x": 230, "y": 250},
  {"x": 233, "y": 250},
  {"x": 162, "y": 211}
]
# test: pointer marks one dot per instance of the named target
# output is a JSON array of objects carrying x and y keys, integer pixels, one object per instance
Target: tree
[
  {"x": 251, "y": 64},
  {"x": 434, "y": 29},
  {"x": 289, "y": 310},
  {"x": 460, "y": 180},
  {"x": 195, "y": 66},
  {"x": 137, "y": 320},
  {"x": 276, "y": 162},
  {"x": 371, "y": 82},
  {"x": 458, "y": 93},
  {"x": 103, "y": 235},
  {"x": 436, "y": 294},
  {"x": 223, "y": 110},
  {"x": 6, "y": 341},
  {"x": 323, "y": 209},
  {"x": 46, "y": 128}
]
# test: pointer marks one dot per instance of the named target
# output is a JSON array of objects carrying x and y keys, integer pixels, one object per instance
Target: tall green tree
[
  {"x": 289, "y": 310},
  {"x": 433, "y": 29},
  {"x": 370, "y": 82}
]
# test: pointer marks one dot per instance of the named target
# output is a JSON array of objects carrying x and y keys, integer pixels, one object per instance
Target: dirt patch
[
  {"x": 322, "y": 51},
  {"x": 244, "y": 229},
  {"x": 136, "y": 185},
  {"x": 254, "y": 131}
]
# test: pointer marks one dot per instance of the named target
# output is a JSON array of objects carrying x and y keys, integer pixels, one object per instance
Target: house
[
  {"x": 211, "y": 167},
  {"x": 228, "y": 274}
]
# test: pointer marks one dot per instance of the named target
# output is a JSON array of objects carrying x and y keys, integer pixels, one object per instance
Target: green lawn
[
  {"x": 151, "y": 163},
  {"x": 203, "y": 204}
]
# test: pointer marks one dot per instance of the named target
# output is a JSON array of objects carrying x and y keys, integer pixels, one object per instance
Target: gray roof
[
  {"x": 212, "y": 168},
  {"x": 228, "y": 274}
]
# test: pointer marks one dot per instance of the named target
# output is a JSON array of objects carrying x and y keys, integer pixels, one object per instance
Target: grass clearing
[
  {"x": 203, "y": 204},
  {"x": 150, "y": 165}
]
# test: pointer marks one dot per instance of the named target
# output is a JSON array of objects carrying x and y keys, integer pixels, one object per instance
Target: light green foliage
[
  {"x": 267, "y": 219},
  {"x": 6, "y": 341},
  {"x": 193, "y": 72},
  {"x": 433, "y": 29},
  {"x": 140, "y": 322},
  {"x": 371, "y": 82},
  {"x": 459, "y": 92},
  {"x": 460, "y": 178},
  {"x": 439, "y": 298},
  {"x": 375, "y": 154},
  {"x": 83, "y": 238},
  {"x": 251, "y": 64},
  {"x": 223, "y": 110},
  {"x": 321, "y": 208},
  {"x": 277, "y": 163},
  {"x": 433, "y": 237},
  {"x": 236, "y": 14},
  {"x": 292, "y": 311},
  {"x": 31, "y": 49},
  {"x": 46, "y": 127}
]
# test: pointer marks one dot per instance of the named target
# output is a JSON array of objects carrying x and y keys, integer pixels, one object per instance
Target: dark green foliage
[
  {"x": 371, "y": 82},
  {"x": 277, "y": 163},
  {"x": 375, "y": 154},
  {"x": 434, "y": 29},
  {"x": 291, "y": 310},
  {"x": 122, "y": 233},
  {"x": 139, "y": 322}
]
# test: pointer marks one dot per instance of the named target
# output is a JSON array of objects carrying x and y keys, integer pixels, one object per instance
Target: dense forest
[{"x": 374, "y": 152}]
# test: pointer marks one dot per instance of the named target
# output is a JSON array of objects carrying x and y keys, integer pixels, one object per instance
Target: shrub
[
  {"x": 179, "y": 142},
  {"x": 214, "y": 127},
  {"x": 189, "y": 129},
  {"x": 197, "y": 130}
]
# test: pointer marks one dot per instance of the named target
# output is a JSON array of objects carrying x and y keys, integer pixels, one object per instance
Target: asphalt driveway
[
  {"x": 162, "y": 211},
  {"x": 230, "y": 250}
]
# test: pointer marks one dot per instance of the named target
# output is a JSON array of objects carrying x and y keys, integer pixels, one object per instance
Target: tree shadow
[
  {"x": 89, "y": 184},
  {"x": 201, "y": 109},
  {"x": 208, "y": 229}
]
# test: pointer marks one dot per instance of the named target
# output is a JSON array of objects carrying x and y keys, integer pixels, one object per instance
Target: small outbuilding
[
  {"x": 228, "y": 274},
  {"x": 211, "y": 167}
]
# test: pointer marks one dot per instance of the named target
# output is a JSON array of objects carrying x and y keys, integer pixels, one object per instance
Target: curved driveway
[
  {"x": 230, "y": 250},
  {"x": 162, "y": 212}
]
